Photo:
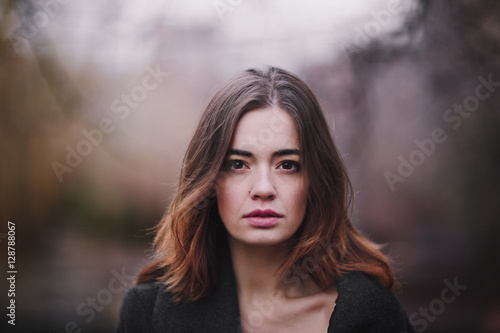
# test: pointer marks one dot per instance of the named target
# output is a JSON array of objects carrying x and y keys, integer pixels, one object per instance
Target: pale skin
[{"x": 263, "y": 172}]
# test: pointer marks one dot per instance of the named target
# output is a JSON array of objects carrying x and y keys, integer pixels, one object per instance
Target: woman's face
[{"x": 262, "y": 192}]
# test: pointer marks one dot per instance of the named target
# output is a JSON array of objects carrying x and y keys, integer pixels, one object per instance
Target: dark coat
[{"x": 363, "y": 305}]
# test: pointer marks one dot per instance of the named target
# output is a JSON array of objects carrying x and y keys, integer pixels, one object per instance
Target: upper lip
[{"x": 263, "y": 213}]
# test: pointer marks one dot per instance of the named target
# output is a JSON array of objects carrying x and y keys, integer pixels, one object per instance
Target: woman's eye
[
  {"x": 235, "y": 165},
  {"x": 290, "y": 166}
]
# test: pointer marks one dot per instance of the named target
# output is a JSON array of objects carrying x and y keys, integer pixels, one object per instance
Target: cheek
[
  {"x": 299, "y": 199},
  {"x": 227, "y": 199}
]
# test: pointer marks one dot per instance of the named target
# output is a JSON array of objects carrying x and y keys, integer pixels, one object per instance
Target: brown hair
[{"x": 190, "y": 231}]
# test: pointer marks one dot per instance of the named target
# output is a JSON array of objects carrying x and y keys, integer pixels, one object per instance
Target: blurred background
[{"x": 99, "y": 99}]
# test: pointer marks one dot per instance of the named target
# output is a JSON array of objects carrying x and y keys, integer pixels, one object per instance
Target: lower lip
[{"x": 263, "y": 222}]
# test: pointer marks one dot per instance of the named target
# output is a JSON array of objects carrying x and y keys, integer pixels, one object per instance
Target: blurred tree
[{"x": 402, "y": 86}]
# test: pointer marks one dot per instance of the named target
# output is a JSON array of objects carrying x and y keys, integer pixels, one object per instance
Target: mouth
[
  {"x": 263, "y": 218},
  {"x": 263, "y": 213}
]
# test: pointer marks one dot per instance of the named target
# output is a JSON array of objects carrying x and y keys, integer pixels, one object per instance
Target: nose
[{"x": 263, "y": 186}]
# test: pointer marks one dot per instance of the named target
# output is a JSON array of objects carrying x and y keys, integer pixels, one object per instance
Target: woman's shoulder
[
  {"x": 363, "y": 301},
  {"x": 362, "y": 285},
  {"x": 138, "y": 306},
  {"x": 150, "y": 307},
  {"x": 145, "y": 292},
  {"x": 146, "y": 288}
]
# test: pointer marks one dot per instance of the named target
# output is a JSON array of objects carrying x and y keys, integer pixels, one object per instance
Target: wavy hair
[{"x": 188, "y": 235}]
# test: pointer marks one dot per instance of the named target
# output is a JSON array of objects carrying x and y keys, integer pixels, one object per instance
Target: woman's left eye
[{"x": 290, "y": 166}]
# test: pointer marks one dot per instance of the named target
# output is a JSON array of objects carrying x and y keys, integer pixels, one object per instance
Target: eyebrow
[{"x": 281, "y": 152}]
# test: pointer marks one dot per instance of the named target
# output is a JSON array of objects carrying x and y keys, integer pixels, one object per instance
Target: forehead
[{"x": 266, "y": 129}]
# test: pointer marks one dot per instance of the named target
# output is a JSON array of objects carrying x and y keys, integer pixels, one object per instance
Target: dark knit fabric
[{"x": 363, "y": 305}]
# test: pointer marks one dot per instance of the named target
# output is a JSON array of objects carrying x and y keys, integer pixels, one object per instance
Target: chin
[{"x": 262, "y": 239}]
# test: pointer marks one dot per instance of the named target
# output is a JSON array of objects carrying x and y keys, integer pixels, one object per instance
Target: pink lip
[{"x": 263, "y": 218}]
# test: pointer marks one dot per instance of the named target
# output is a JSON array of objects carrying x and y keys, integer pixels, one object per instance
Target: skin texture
[
  {"x": 263, "y": 180},
  {"x": 263, "y": 172}
]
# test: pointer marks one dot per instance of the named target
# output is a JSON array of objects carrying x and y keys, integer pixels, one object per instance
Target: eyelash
[
  {"x": 295, "y": 166},
  {"x": 230, "y": 165}
]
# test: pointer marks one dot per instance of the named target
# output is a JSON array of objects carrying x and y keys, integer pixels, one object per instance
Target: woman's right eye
[{"x": 235, "y": 165}]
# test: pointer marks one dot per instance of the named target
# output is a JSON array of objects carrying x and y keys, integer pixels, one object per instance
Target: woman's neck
[{"x": 255, "y": 270}]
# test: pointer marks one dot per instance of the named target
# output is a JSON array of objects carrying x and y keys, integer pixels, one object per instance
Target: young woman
[{"x": 258, "y": 237}]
